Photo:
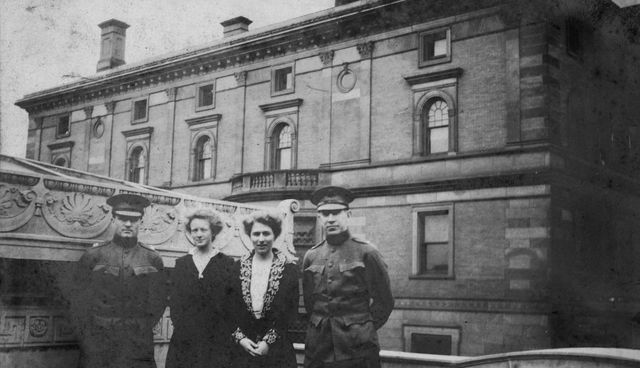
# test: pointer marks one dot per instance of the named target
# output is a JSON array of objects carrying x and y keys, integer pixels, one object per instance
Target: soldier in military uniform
[
  {"x": 119, "y": 294},
  {"x": 346, "y": 290}
]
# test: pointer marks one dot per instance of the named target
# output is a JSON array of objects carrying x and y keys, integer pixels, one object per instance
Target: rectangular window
[
  {"x": 63, "y": 128},
  {"x": 433, "y": 241},
  {"x": 574, "y": 38},
  {"x": 431, "y": 340},
  {"x": 282, "y": 80},
  {"x": 140, "y": 109},
  {"x": 430, "y": 344},
  {"x": 434, "y": 47},
  {"x": 205, "y": 96}
]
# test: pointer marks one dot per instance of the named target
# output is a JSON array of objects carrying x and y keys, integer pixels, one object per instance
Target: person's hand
[
  {"x": 263, "y": 348},
  {"x": 249, "y": 346}
]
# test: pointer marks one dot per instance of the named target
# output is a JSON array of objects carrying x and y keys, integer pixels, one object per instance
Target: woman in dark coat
[
  {"x": 202, "y": 283},
  {"x": 269, "y": 298}
]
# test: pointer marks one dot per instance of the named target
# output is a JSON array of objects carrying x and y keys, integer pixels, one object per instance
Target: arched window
[
  {"x": 60, "y": 161},
  {"x": 283, "y": 147},
  {"x": 436, "y": 126},
  {"x": 137, "y": 164},
  {"x": 203, "y": 158}
]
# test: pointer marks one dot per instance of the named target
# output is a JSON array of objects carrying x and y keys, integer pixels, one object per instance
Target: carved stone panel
[
  {"x": 16, "y": 207},
  {"x": 159, "y": 224},
  {"x": 12, "y": 330},
  {"x": 76, "y": 215},
  {"x": 39, "y": 329}
]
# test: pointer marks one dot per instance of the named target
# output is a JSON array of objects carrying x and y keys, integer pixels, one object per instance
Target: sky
[{"x": 43, "y": 40}]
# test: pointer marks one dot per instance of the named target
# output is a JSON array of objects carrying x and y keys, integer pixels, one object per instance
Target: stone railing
[
  {"x": 566, "y": 358},
  {"x": 278, "y": 181}
]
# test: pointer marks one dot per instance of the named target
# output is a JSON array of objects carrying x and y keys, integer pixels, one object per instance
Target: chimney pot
[
  {"x": 235, "y": 26},
  {"x": 112, "y": 43}
]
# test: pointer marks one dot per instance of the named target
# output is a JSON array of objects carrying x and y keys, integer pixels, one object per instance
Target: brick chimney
[
  {"x": 113, "y": 36},
  {"x": 235, "y": 26}
]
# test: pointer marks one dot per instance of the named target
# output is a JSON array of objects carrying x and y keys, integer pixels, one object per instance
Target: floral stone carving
[
  {"x": 159, "y": 224},
  {"x": 38, "y": 326},
  {"x": 76, "y": 215},
  {"x": 16, "y": 207}
]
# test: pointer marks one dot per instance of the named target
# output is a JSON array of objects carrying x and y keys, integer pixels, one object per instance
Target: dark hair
[
  {"x": 214, "y": 220},
  {"x": 272, "y": 220}
]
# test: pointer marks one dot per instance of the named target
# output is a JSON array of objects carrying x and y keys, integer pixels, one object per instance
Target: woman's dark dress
[
  {"x": 280, "y": 308},
  {"x": 200, "y": 311}
]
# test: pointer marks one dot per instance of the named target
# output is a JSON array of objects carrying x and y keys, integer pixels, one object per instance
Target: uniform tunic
[
  {"x": 348, "y": 297},
  {"x": 118, "y": 298}
]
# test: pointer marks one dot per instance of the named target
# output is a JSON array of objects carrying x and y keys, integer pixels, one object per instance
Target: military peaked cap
[
  {"x": 332, "y": 198},
  {"x": 128, "y": 204}
]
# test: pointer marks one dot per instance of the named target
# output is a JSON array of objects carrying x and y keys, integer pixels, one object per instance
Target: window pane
[
  {"x": 206, "y": 169},
  {"x": 63, "y": 126},
  {"x": 440, "y": 48},
  {"x": 430, "y": 344},
  {"x": 205, "y": 95},
  {"x": 140, "y": 109},
  {"x": 436, "y": 228},
  {"x": 284, "y": 79},
  {"x": 284, "y": 138},
  {"x": 438, "y": 114},
  {"x": 284, "y": 158},
  {"x": 439, "y": 140},
  {"x": 437, "y": 257}
]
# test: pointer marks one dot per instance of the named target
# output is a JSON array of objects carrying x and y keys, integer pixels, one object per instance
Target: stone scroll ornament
[
  {"x": 16, "y": 207},
  {"x": 159, "y": 224},
  {"x": 76, "y": 215}
]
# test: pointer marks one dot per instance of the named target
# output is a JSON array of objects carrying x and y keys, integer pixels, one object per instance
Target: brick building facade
[{"x": 492, "y": 146}]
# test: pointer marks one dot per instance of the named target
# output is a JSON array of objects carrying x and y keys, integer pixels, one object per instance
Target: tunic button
[
  {"x": 333, "y": 250},
  {"x": 330, "y": 264}
]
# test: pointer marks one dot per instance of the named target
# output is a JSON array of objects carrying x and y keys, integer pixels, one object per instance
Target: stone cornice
[
  {"x": 203, "y": 119},
  {"x": 138, "y": 132},
  {"x": 310, "y": 32},
  {"x": 281, "y": 105},
  {"x": 423, "y": 77},
  {"x": 60, "y": 145}
]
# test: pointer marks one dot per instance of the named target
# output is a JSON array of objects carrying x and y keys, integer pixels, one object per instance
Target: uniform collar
[
  {"x": 125, "y": 242},
  {"x": 338, "y": 238}
]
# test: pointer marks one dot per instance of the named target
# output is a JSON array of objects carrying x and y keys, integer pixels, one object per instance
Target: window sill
[
  {"x": 283, "y": 92},
  {"x": 434, "y": 61},
  {"x": 204, "y": 108},
  {"x": 431, "y": 277}
]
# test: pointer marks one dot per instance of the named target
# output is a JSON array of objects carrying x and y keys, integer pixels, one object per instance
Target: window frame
[
  {"x": 575, "y": 38},
  {"x": 423, "y": 103},
  {"x": 68, "y": 132},
  {"x": 146, "y": 110},
  {"x": 452, "y": 331},
  {"x": 418, "y": 215},
  {"x": 426, "y": 129},
  {"x": 276, "y": 155},
  {"x": 422, "y": 62},
  {"x": 272, "y": 141},
  {"x": 197, "y": 171},
  {"x": 274, "y": 75},
  {"x": 199, "y": 106},
  {"x": 143, "y": 152}
]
